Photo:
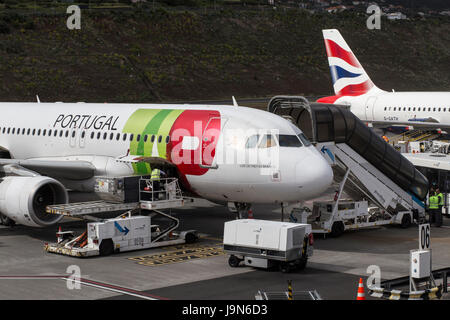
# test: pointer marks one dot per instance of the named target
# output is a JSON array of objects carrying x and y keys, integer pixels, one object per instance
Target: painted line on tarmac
[
  {"x": 90, "y": 283},
  {"x": 119, "y": 289}
]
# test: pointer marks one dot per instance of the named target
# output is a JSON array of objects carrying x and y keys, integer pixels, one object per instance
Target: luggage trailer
[{"x": 125, "y": 232}]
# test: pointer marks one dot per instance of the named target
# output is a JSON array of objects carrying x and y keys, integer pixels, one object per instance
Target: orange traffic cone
[
  {"x": 250, "y": 214},
  {"x": 361, "y": 295}
]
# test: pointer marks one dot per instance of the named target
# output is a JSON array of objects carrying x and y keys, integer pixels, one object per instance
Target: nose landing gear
[{"x": 241, "y": 209}]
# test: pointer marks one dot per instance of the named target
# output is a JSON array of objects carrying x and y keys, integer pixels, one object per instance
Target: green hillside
[{"x": 144, "y": 55}]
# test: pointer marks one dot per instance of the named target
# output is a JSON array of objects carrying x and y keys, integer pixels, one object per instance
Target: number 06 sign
[{"x": 424, "y": 236}]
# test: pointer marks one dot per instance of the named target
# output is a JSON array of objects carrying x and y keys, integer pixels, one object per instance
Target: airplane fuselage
[
  {"x": 207, "y": 144},
  {"x": 400, "y": 107}
]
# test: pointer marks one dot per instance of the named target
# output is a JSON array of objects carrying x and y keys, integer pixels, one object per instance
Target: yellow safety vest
[
  {"x": 434, "y": 202},
  {"x": 156, "y": 173},
  {"x": 441, "y": 199}
]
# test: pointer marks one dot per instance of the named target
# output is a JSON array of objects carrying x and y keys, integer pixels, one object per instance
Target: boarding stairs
[{"x": 365, "y": 167}]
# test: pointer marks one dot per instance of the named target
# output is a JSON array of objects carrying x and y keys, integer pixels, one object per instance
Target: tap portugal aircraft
[
  {"x": 353, "y": 87},
  {"x": 51, "y": 147}
]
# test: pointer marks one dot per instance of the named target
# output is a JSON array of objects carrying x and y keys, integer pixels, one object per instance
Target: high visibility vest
[
  {"x": 434, "y": 202},
  {"x": 156, "y": 173},
  {"x": 441, "y": 199}
]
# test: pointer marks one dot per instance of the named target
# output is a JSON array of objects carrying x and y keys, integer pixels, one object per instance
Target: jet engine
[{"x": 24, "y": 199}]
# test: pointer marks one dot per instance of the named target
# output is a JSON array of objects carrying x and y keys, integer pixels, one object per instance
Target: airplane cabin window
[
  {"x": 67, "y": 133},
  {"x": 60, "y": 133},
  {"x": 385, "y": 108},
  {"x": 4, "y": 129},
  {"x": 98, "y": 135},
  {"x": 44, "y": 132},
  {"x": 105, "y": 135},
  {"x": 159, "y": 139},
  {"x": 409, "y": 109},
  {"x": 395, "y": 108},
  {"x": 83, "y": 134},
  {"x": 138, "y": 138},
  {"x": 153, "y": 138},
  {"x": 92, "y": 135},
  {"x": 252, "y": 141},
  {"x": 13, "y": 130},
  {"x": 286, "y": 140},
  {"x": 118, "y": 137},
  {"x": 33, "y": 133},
  {"x": 304, "y": 139},
  {"x": 50, "y": 132},
  {"x": 267, "y": 141},
  {"x": 55, "y": 133},
  {"x": 131, "y": 137},
  {"x": 124, "y": 136},
  {"x": 111, "y": 136},
  {"x": 145, "y": 138},
  {"x": 167, "y": 139}
]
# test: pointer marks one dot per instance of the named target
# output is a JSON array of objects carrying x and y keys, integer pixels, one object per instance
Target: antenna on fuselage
[
  {"x": 38, "y": 100},
  {"x": 235, "y": 104}
]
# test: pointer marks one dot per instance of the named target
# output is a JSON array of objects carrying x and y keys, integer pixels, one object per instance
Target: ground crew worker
[
  {"x": 386, "y": 139},
  {"x": 441, "y": 205},
  {"x": 433, "y": 206},
  {"x": 155, "y": 179}
]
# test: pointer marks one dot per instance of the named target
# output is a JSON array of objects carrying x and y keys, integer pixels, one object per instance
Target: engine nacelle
[{"x": 24, "y": 199}]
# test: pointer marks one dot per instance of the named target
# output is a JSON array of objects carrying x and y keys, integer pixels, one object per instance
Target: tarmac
[{"x": 201, "y": 270}]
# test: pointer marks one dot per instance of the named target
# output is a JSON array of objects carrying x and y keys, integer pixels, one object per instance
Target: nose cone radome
[{"x": 313, "y": 176}]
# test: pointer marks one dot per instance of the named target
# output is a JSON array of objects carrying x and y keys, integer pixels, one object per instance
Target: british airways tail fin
[{"x": 349, "y": 77}]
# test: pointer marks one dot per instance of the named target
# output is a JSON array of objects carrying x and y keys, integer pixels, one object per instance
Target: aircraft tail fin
[{"x": 349, "y": 77}]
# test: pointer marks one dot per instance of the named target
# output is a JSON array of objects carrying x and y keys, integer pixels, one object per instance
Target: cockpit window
[
  {"x": 252, "y": 141},
  {"x": 267, "y": 141},
  {"x": 304, "y": 139},
  {"x": 286, "y": 140}
]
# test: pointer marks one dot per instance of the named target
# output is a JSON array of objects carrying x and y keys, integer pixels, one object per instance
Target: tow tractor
[{"x": 127, "y": 231}]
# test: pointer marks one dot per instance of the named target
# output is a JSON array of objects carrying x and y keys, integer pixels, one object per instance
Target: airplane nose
[{"x": 313, "y": 175}]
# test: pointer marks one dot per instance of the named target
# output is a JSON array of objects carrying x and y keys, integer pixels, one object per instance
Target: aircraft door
[{"x": 370, "y": 103}]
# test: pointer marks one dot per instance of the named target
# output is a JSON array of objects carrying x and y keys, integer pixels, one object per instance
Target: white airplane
[
  {"x": 353, "y": 87},
  {"x": 52, "y": 147}
]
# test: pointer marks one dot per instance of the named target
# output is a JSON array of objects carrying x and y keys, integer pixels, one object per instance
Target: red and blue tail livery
[
  {"x": 349, "y": 77},
  {"x": 378, "y": 108}
]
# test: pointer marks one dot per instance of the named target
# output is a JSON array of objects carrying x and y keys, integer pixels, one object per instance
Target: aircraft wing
[
  {"x": 146, "y": 159},
  {"x": 429, "y": 123},
  {"x": 74, "y": 170}
]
